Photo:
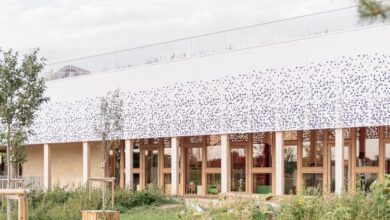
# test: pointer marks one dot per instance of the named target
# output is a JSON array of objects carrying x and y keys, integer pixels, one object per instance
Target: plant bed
[{"x": 100, "y": 215}]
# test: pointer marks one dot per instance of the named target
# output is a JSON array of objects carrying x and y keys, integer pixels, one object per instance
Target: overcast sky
[{"x": 66, "y": 29}]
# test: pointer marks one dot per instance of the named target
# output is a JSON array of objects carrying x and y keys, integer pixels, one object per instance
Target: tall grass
[
  {"x": 67, "y": 203},
  {"x": 360, "y": 205}
]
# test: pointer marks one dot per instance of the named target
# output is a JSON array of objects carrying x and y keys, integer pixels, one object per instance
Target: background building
[{"x": 274, "y": 107}]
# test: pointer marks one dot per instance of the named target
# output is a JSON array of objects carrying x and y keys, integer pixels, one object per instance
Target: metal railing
[
  {"x": 31, "y": 182},
  {"x": 14, "y": 183},
  {"x": 240, "y": 38}
]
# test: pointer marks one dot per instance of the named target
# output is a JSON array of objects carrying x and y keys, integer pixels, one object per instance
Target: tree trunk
[{"x": 9, "y": 171}]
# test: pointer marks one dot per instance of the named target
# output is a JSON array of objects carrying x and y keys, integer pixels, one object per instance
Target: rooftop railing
[{"x": 218, "y": 42}]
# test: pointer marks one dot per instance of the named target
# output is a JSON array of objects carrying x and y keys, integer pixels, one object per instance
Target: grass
[{"x": 151, "y": 213}]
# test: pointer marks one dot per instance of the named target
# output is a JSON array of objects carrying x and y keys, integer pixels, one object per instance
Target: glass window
[
  {"x": 290, "y": 169},
  {"x": 213, "y": 183},
  {"x": 167, "y": 157},
  {"x": 194, "y": 178},
  {"x": 387, "y": 158},
  {"x": 290, "y": 135},
  {"x": 151, "y": 167},
  {"x": 313, "y": 147},
  {"x": 313, "y": 180},
  {"x": 136, "y": 181},
  {"x": 136, "y": 156},
  {"x": 214, "y": 151},
  {"x": 238, "y": 166},
  {"x": 238, "y": 138},
  {"x": 367, "y": 147},
  {"x": 262, "y": 150},
  {"x": 262, "y": 183},
  {"x": 364, "y": 180},
  {"x": 167, "y": 183}
]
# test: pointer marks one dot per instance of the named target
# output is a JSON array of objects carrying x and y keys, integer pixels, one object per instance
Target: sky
[{"x": 68, "y": 29}]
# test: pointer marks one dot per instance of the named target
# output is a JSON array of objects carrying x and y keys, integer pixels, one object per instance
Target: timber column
[
  {"x": 175, "y": 167},
  {"x": 339, "y": 161}
]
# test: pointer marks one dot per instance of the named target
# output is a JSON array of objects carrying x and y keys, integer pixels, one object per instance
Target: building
[{"x": 271, "y": 108}]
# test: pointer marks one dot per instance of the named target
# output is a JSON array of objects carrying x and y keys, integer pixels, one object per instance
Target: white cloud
[{"x": 66, "y": 29}]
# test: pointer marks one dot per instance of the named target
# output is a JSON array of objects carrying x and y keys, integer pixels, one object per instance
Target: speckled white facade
[
  {"x": 291, "y": 86},
  {"x": 346, "y": 92}
]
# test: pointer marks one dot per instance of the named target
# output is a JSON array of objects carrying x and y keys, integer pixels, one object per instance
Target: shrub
[
  {"x": 67, "y": 202},
  {"x": 125, "y": 199},
  {"x": 358, "y": 205}
]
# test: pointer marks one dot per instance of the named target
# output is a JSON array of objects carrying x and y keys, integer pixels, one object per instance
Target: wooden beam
[
  {"x": 382, "y": 154},
  {"x": 339, "y": 161},
  {"x": 353, "y": 160},
  {"x": 175, "y": 166},
  {"x": 122, "y": 183},
  {"x": 249, "y": 164},
  {"x": 299, "y": 162},
  {"x": 204, "y": 164}
]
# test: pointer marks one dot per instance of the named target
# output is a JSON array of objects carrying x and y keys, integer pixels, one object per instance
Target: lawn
[{"x": 165, "y": 212}]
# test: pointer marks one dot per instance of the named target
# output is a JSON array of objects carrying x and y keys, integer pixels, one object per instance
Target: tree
[
  {"x": 109, "y": 126},
  {"x": 21, "y": 94},
  {"x": 373, "y": 9}
]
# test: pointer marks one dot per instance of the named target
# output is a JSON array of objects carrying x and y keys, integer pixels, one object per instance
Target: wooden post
[
  {"x": 249, "y": 164},
  {"x": 204, "y": 164},
  {"x": 299, "y": 162},
  {"x": 353, "y": 160},
  {"x": 382, "y": 155},
  {"x": 21, "y": 196},
  {"x": 104, "y": 181},
  {"x": 175, "y": 167},
  {"x": 183, "y": 167},
  {"x": 122, "y": 167},
  {"x": 161, "y": 165},
  {"x": 339, "y": 161},
  {"x": 99, "y": 215}
]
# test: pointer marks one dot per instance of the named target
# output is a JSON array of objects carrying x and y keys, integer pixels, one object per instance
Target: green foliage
[
  {"x": 67, "y": 203},
  {"x": 358, "y": 205},
  {"x": 373, "y": 9},
  {"x": 125, "y": 199},
  {"x": 151, "y": 213},
  {"x": 21, "y": 94},
  {"x": 240, "y": 209},
  {"x": 109, "y": 126}
]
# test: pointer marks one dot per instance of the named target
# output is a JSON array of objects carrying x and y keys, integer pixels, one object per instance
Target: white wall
[{"x": 370, "y": 40}]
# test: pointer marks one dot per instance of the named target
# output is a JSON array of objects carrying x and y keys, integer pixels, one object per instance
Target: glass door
[
  {"x": 194, "y": 171},
  {"x": 151, "y": 167},
  {"x": 290, "y": 169},
  {"x": 238, "y": 169},
  {"x": 387, "y": 158}
]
